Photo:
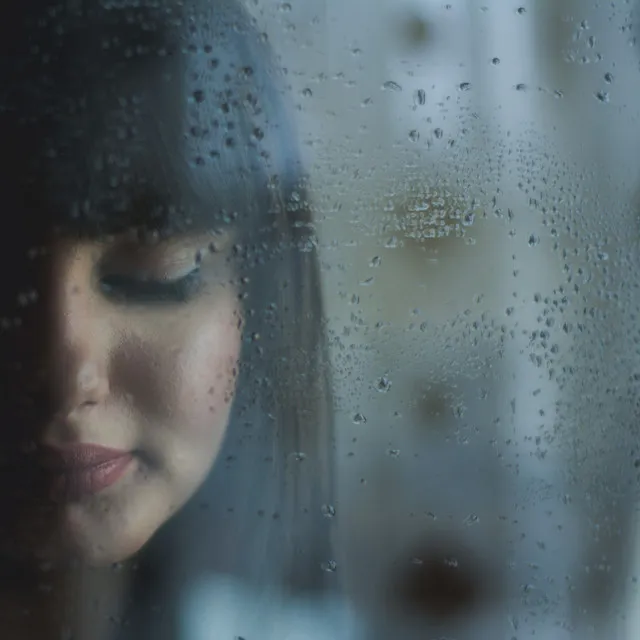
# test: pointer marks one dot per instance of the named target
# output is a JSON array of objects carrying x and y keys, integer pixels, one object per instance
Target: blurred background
[{"x": 475, "y": 180}]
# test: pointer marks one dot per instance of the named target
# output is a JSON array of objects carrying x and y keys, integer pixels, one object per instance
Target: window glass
[{"x": 318, "y": 319}]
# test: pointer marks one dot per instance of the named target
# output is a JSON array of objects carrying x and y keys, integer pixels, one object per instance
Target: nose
[{"x": 77, "y": 351}]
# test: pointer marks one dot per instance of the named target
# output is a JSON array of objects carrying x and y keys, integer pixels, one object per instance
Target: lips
[{"x": 82, "y": 470}]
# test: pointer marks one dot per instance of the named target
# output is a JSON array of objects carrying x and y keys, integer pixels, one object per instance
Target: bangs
[{"x": 115, "y": 121}]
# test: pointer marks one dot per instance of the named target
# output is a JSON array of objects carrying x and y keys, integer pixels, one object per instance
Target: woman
[{"x": 166, "y": 398}]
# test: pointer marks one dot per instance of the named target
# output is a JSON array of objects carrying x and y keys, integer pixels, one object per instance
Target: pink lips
[{"x": 81, "y": 470}]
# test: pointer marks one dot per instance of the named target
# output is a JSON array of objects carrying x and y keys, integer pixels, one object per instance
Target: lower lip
[{"x": 77, "y": 483}]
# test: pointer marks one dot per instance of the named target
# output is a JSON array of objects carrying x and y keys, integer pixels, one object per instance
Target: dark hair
[{"x": 191, "y": 88}]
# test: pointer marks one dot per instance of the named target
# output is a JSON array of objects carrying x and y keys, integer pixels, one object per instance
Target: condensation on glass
[{"x": 319, "y": 319}]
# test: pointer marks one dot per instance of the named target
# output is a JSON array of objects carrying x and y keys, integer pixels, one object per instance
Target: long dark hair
[{"x": 193, "y": 80}]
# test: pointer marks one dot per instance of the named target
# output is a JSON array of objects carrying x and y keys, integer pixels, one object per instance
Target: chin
[{"x": 103, "y": 553}]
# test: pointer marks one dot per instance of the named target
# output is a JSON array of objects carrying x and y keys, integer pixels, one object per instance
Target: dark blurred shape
[
  {"x": 442, "y": 581},
  {"x": 415, "y": 31}
]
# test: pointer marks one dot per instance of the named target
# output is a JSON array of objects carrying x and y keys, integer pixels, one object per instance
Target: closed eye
[{"x": 134, "y": 288}]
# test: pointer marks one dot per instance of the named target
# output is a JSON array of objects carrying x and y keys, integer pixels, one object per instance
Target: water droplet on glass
[
  {"x": 328, "y": 510},
  {"x": 394, "y": 453},
  {"x": 359, "y": 419},
  {"x": 603, "y": 96},
  {"x": 376, "y": 261},
  {"x": 307, "y": 93},
  {"x": 384, "y": 384},
  {"x": 533, "y": 240},
  {"x": 465, "y": 86},
  {"x": 608, "y": 77},
  {"x": 414, "y": 135},
  {"x": 438, "y": 133},
  {"x": 420, "y": 97},
  {"x": 521, "y": 10},
  {"x": 495, "y": 61},
  {"x": 391, "y": 86},
  {"x": 521, "y": 86},
  {"x": 285, "y": 7},
  {"x": 330, "y": 566}
]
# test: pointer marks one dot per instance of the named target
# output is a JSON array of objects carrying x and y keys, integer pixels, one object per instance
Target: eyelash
[{"x": 124, "y": 288}]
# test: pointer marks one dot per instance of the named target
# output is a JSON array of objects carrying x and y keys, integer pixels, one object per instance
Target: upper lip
[{"x": 72, "y": 457}]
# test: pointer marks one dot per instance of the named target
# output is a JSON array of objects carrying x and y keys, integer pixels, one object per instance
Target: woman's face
[
  {"x": 144, "y": 334},
  {"x": 144, "y": 345}
]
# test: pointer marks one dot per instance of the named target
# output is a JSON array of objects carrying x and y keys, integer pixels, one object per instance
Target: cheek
[
  {"x": 178, "y": 377},
  {"x": 206, "y": 372}
]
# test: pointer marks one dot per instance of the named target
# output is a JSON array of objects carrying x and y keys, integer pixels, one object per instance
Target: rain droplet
[
  {"x": 438, "y": 133},
  {"x": 465, "y": 86},
  {"x": 608, "y": 77},
  {"x": 533, "y": 240},
  {"x": 394, "y": 453},
  {"x": 414, "y": 135},
  {"x": 420, "y": 97},
  {"x": 384, "y": 384},
  {"x": 330, "y": 566},
  {"x": 391, "y": 86},
  {"x": 307, "y": 93},
  {"x": 495, "y": 61},
  {"x": 521, "y": 86},
  {"x": 359, "y": 419},
  {"x": 328, "y": 510},
  {"x": 603, "y": 96},
  {"x": 285, "y": 7},
  {"x": 376, "y": 261},
  {"x": 521, "y": 10}
]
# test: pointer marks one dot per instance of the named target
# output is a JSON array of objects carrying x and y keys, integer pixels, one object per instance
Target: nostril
[{"x": 441, "y": 582}]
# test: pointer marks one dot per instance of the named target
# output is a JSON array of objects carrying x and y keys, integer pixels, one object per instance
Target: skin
[{"x": 155, "y": 378}]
